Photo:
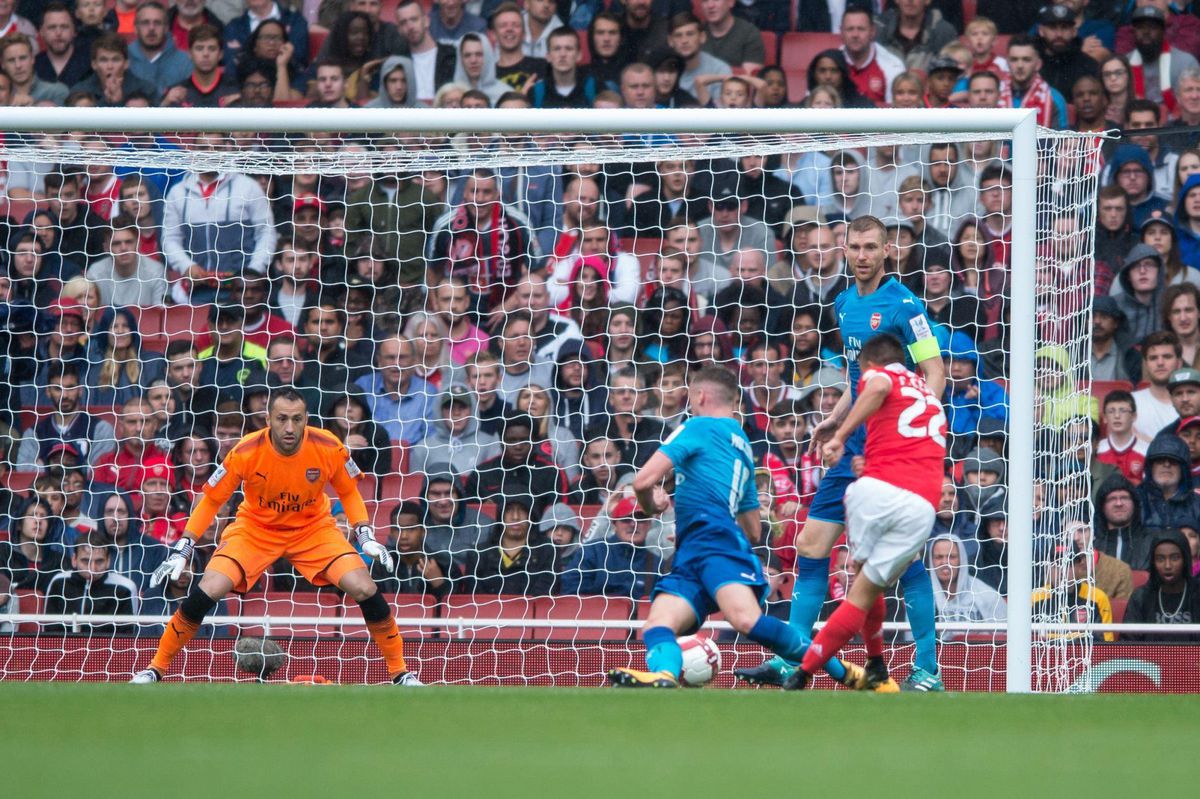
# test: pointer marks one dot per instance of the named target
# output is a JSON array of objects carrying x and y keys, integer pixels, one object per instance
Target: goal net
[{"x": 500, "y": 327}]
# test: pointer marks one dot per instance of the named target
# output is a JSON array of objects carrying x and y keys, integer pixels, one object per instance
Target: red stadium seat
[
  {"x": 29, "y": 601},
  {"x": 770, "y": 41},
  {"x": 799, "y": 49},
  {"x": 582, "y": 609},
  {"x": 585, "y": 50},
  {"x": 970, "y": 9},
  {"x": 1102, "y": 388},
  {"x": 316, "y": 38},
  {"x": 488, "y": 606},
  {"x": 183, "y": 322},
  {"x": 322, "y": 604},
  {"x": 19, "y": 482},
  {"x": 797, "y": 83},
  {"x": 1140, "y": 578},
  {"x": 1118, "y": 609},
  {"x": 1000, "y": 46},
  {"x": 400, "y": 486},
  {"x": 404, "y": 606},
  {"x": 19, "y": 210}
]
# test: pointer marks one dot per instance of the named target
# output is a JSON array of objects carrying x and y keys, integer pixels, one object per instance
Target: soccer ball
[{"x": 701, "y": 660}]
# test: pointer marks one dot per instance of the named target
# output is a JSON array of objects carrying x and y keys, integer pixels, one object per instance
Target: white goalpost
[{"x": 1046, "y": 287}]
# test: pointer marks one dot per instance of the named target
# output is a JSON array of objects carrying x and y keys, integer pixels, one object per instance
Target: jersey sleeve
[
  {"x": 749, "y": 492},
  {"x": 343, "y": 476},
  {"x": 680, "y": 445},
  {"x": 221, "y": 484},
  {"x": 917, "y": 330}
]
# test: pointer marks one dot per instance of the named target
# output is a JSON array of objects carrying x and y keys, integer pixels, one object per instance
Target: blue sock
[
  {"x": 812, "y": 585},
  {"x": 785, "y": 641},
  {"x": 918, "y": 601},
  {"x": 662, "y": 650}
]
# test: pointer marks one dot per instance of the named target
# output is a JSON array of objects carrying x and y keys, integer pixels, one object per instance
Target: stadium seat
[
  {"x": 401, "y": 486},
  {"x": 585, "y": 51},
  {"x": 322, "y": 604},
  {"x": 182, "y": 322},
  {"x": 29, "y": 601},
  {"x": 19, "y": 210},
  {"x": 969, "y": 8},
  {"x": 368, "y": 487},
  {"x": 1118, "y": 609},
  {"x": 1000, "y": 47},
  {"x": 1102, "y": 388},
  {"x": 770, "y": 41},
  {"x": 316, "y": 38},
  {"x": 19, "y": 482},
  {"x": 797, "y": 83},
  {"x": 798, "y": 49},
  {"x": 399, "y": 457},
  {"x": 580, "y": 608},
  {"x": 381, "y": 516},
  {"x": 488, "y": 606},
  {"x": 1140, "y": 578},
  {"x": 404, "y": 606},
  {"x": 149, "y": 320}
]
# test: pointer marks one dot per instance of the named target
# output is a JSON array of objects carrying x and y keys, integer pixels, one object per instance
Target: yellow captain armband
[{"x": 924, "y": 349}]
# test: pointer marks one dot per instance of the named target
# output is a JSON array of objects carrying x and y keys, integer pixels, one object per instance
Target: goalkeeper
[{"x": 283, "y": 471}]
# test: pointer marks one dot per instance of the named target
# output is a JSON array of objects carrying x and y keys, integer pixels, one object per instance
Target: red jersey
[
  {"x": 1130, "y": 461},
  {"x": 906, "y": 437}
]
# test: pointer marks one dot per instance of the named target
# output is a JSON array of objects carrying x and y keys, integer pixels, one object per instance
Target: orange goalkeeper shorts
[{"x": 320, "y": 552}]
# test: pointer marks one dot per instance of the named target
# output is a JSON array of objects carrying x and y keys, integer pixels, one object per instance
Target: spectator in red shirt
[
  {"x": 1121, "y": 447},
  {"x": 160, "y": 520},
  {"x": 872, "y": 68},
  {"x": 137, "y": 429}
]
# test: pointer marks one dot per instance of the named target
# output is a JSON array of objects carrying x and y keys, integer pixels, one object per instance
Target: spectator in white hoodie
[{"x": 959, "y": 596}]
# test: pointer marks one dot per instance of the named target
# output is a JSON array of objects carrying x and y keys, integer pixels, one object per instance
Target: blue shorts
[
  {"x": 702, "y": 566},
  {"x": 828, "y": 503}
]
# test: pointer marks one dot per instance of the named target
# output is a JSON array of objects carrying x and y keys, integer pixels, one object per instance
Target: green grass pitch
[{"x": 280, "y": 742}]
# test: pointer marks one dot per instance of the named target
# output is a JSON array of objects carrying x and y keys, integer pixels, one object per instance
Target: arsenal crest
[
  {"x": 875, "y": 320},
  {"x": 313, "y": 475}
]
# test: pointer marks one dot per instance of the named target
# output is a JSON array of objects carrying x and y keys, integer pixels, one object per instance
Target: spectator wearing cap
[
  {"x": 159, "y": 518},
  {"x": 92, "y": 587},
  {"x": 1026, "y": 88},
  {"x": 517, "y": 558},
  {"x": 417, "y": 570},
  {"x": 230, "y": 363},
  {"x": 1182, "y": 30},
  {"x": 1061, "y": 49},
  {"x": 125, "y": 276},
  {"x": 620, "y": 563},
  {"x": 1121, "y": 447},
  {"x": 454, "y": 438},
  {"x": 520, "y": 471},
  {"x": 1188, "y": 429},
  {"x": 348, "y": 416},
  {"x": 1160, "y": 361},
  {"x": 728, "y": 230},
  {"x": 1166, "y": 495},
  {"x": 452, "y": 525},
  {"x": 1156, "y": 64},
  {"x": 1142, "y": 280},
  {"x": 1184, "y": 388},
  {"x": 913, "y": 30},
  {"x": 944, "y": 72},
  {"x": 400, "y": 400},
  {"x": 216, "y": 222},
  {"x": 1110, "y": 351}
]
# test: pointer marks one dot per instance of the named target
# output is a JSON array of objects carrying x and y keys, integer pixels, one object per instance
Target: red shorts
[{"x": 320, "y": 552}]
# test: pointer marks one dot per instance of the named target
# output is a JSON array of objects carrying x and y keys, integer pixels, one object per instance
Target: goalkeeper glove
[
  {"x": 181, "y": 555},
  {"x": 372, "y": 548}
]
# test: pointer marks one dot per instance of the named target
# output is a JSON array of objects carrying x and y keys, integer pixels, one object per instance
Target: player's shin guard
[
  {"x": 785, "y": 641},
  {"x": 919, "y": 602},
  {"x": 183, "y": 625},
  {"x": 808, "y": 595},
  {"x": 845, "y": 622},
  {"x": 662, "y": 651},
  {"x": 872, "y": 629},
  {"x": 382, "y": 626}
]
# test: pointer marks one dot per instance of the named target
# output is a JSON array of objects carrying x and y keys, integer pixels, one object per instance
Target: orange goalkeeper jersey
[{"x": 286, "y": 492}]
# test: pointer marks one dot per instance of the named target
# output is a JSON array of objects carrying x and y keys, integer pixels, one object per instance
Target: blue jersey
[
  {"x": 891, "y": 308},
  {"x": 714, "y": 466}
]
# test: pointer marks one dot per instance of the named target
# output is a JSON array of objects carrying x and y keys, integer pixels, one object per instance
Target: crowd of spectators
[{"x": 506, "y": 341}]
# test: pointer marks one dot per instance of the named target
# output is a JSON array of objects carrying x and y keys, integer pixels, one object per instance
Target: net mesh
[{"x": 500, "y": 330}]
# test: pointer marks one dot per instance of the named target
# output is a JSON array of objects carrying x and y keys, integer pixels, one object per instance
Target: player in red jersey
[{"x": 890, "y": 510}]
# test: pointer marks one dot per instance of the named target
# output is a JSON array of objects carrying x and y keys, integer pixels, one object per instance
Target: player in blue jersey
[
  {"x": 876, "y": 303},
  {"x": 716, "y": 526}
]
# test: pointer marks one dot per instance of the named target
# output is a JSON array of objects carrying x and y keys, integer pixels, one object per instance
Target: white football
[{"x": 701, "y": 660}]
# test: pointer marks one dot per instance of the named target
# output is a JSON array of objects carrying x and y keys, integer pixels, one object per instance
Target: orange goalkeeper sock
[
  {"x": 180, "y": 630},
  {"x": 386, "y": 636}
]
